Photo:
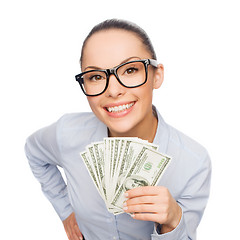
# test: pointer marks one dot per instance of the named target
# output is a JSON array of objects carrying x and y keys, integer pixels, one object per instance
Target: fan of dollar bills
[{"x": 119, "y": 164}]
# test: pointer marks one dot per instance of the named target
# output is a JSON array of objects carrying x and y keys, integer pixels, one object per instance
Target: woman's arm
[{"x": 43, "y": 155}]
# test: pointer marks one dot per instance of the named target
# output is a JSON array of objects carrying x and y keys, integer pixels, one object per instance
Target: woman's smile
[{"x": 119, "y": 109}]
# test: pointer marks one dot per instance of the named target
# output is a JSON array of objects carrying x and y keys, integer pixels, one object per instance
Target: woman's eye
[
  {"x": 131, "y": 70},
  {"x": 96, "y": 78}
]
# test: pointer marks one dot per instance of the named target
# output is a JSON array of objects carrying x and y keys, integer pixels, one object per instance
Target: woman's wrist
[{"x": 165, "y": 228}]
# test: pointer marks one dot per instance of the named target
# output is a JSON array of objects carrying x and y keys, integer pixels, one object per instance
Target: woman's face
[{"x": 107, "y": 49}]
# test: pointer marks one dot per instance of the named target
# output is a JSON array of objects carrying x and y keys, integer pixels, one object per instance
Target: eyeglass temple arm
[{"x": 153, "y": 62}]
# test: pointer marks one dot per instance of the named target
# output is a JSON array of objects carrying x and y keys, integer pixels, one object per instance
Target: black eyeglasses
[{"x": 130, "y": 75}]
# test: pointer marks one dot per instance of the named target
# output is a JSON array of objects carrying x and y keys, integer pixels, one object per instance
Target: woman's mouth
[{"x": 120, "y": 108}]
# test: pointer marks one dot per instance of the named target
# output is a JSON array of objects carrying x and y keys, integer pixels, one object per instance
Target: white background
[{"x": 198, "y": 43}]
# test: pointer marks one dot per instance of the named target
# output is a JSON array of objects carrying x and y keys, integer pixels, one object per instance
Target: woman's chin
[{"x": 120, "y": 131}]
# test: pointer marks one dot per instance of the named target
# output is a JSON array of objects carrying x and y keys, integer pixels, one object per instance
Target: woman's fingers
[
  {"x": 153, "y": 203},
  {"x": 146, "y": 191},
  {"x": 71, "y": 228},
  {"x": 78, "y": 232}
]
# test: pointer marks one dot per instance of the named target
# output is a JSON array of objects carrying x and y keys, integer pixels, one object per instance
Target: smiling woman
[
  {"x": 121, "y": 48},
  {"x": 119, "y": 75}
]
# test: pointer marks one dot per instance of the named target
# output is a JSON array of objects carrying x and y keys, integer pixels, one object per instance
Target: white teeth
[{"x": 120, "y": 108}]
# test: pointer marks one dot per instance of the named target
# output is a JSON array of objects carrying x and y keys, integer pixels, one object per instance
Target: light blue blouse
[{"x": 187, "y": 178}]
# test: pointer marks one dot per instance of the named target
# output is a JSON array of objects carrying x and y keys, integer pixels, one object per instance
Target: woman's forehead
[{"x": 108, "y": 48}]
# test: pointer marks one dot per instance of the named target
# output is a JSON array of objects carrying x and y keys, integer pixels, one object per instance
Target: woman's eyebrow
[
  {"x": 92, "y": 67},
  {"x": 124, "y": 61}
]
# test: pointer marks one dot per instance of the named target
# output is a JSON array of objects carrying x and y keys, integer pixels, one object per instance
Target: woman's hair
[{"x": 123, "y": 25}]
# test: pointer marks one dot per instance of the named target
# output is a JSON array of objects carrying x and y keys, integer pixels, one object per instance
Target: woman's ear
[{"x": 158, "y": 76}]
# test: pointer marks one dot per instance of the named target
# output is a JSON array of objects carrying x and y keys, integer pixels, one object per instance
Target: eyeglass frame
[{"x": 113, "y": 71}]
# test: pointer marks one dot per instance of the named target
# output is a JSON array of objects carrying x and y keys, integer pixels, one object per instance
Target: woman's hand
[
  {"x": 71, "y": 228},
  {"x": 153, "y": 203}
]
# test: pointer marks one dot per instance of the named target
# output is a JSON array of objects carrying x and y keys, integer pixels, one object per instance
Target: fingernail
[
  {"x": 125, "y": 208},
  {"x": 132, "y": 215},
  {"x": 81, "y": 238},
  {"x": 125, "y": 194}
]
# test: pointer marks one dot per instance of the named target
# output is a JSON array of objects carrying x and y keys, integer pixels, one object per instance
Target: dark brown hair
[{"x": 124, "y": 25}]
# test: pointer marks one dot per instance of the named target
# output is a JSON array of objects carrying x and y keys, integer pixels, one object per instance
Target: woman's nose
[{"x": 115, "y": 89}]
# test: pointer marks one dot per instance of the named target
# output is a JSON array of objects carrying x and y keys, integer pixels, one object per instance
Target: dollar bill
[
  {"x": 86, "y": 159},
  {"x": 146, "y": 171}
]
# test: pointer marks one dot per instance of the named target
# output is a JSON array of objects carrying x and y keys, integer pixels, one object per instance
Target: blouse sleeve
[
  {"x": 43, "y": 155},
  {"x": 193, "y": 202}
]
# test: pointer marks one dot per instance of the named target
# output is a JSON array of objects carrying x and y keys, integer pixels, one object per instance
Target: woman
[{"x": 120, "y": 108}]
